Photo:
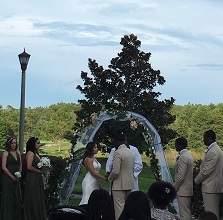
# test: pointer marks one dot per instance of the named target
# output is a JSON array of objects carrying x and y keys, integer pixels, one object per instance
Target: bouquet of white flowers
[
  {"x": 18, "y": 174},
  {"x": 44, "y": 162},
  {"x": 45, "y": 166}
]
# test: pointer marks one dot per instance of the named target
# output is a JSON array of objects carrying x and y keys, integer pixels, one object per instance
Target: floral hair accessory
[{"x": 10, "y": 139}]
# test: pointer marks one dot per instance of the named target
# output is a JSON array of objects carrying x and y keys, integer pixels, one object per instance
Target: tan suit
[
  {"x": 211, "y": 177},
  {"x": 184, "y": 183},
  {"x": 122, "y": 177}
]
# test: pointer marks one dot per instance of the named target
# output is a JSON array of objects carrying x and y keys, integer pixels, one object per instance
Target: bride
[{"x": 92, "y": 177}]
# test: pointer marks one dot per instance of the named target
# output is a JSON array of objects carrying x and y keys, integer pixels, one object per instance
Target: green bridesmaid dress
[
  {"x": 11, "y": 201},
  {"x": 34, "y": 198}
]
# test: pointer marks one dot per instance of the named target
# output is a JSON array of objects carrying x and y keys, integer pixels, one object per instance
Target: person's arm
[
  {"x": 88, "y": 163},
  {"x": 138, "y": 166},
  {"x": 109, "y": 161},
  {"x": 208, "y": 166},
  {"x": 29, "y": 160},
  {"x": 5, "y": 169},
  {"x": 181, "y": 172},
  {"x": 116, "y": 166}
]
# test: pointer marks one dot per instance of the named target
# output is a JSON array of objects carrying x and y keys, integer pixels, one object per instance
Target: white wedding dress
[{"x": 89, "y": 183}]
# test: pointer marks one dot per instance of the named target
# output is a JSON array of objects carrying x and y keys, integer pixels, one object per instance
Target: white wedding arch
[{"x": 88, "y": 136}]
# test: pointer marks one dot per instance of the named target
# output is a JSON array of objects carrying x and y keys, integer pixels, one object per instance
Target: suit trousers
[
  {"x": 212, "y": 202},
  {"x": 184, "y": 207},
  {"x": 119, "y": 197}
]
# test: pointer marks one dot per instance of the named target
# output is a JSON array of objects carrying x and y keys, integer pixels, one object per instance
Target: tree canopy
[{"x": 128, "y": 84}]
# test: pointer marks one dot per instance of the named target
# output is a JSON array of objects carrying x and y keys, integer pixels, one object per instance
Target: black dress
[
  {"x": 34, "y": 198},
  {"x": 11, "y": 201}
]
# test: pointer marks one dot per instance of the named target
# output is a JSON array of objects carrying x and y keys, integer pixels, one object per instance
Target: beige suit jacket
[
  {"x": 184, "y": 174},
  {"x": 122, "y": 170},
  {"x": 211, "y": 170}
]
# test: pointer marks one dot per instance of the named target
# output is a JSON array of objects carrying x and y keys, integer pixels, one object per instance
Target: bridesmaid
[
  {"x": 11, "y": 200},
  {"x": 34, "y": 199}
]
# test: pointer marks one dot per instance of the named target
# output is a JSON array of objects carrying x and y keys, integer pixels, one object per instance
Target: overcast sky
[{"x": 184, "y": 37}]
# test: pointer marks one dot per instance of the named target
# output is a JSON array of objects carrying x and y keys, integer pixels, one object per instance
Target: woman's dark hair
[
  {"x": 89, "y": 150},
  {"x": 9, "y": 142},
  {"x": 161, "y": 193},
  {"x": 31, "y": 145},
  {"x": 136, "y": 207},
  {"x": 100, "y": 206}
]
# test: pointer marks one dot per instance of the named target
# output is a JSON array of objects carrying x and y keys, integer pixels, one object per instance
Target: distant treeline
[
  {"x": 53, "y": 122},
  {"x": 192, "y": 120},
  {"x": 47, "y": 123}
]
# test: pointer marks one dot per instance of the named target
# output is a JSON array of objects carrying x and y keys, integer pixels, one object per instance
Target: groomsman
[
  {"x": 138, "y": 166},
  {"x": 211, "y": 174},
  {"x": 184, "y": 178},
  {"x": 121, "y": 174}
]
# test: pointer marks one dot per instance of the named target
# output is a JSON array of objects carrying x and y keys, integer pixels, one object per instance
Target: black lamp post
[{"x": 23, "y": 59}]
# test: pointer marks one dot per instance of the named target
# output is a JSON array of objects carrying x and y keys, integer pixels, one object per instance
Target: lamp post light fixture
[{"x": 23, "y": 59}]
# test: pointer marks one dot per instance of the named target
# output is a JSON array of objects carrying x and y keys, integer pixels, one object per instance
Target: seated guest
[
  {"x": 162, "y": 194},
  {"x": 136, "y": 207},
  {"x": 100, "y": 206},
  {"x": 207, "y": 216},
  {"x": 67, "y": 213}
]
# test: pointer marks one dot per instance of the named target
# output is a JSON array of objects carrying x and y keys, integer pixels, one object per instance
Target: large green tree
[{"x": 128, "y": 84}]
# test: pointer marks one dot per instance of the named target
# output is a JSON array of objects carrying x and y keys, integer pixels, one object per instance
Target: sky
[{"x": 184, "y": 37}]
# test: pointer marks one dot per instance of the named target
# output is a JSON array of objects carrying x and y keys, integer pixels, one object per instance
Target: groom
[
  {"x": 121, "y": 174},
  {"x": 138, "y": 166}
]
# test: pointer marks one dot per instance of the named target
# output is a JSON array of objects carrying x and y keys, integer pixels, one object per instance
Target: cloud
[
  {"x": 84, "y": 34},
  {"x": 180, "y": 36},
  {"x": 17, "y": 27},
  {"x": 92, "y": 34},
  {"x": 207, "y": 66},
  {"x": 81, "y": 34},
  {"x": 72, "y": 26},
  {"x": 121, "y": 8}
]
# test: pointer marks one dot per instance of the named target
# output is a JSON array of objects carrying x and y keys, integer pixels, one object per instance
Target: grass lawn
[
  {"x": 57, "y": 148},
  {"x": 145, "y": 180}
]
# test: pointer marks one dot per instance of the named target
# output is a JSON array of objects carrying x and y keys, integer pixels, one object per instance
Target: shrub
[{"x": 57, "y": 175}]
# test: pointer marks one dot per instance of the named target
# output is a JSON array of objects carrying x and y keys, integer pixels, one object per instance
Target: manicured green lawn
[
  {"x": 145, "y": 180},
  {"x": 59, "y": 148}
]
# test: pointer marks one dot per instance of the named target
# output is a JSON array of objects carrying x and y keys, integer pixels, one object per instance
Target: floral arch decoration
[{"x": 88, "y": 136}]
